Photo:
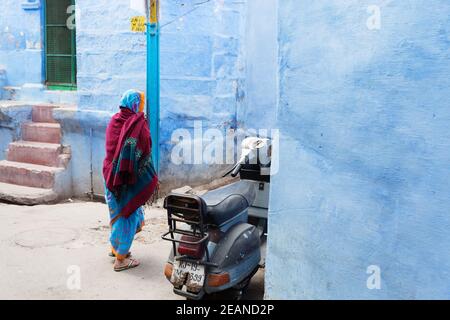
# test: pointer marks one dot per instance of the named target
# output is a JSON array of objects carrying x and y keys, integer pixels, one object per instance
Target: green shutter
[{"x": 60, "y": 52}]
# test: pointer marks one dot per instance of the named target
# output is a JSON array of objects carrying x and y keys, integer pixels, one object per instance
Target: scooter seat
[{"x": 225, "y": 203}]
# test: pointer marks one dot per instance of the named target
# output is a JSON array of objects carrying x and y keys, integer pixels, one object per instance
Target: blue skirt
[{"x": 123, "y": 229}]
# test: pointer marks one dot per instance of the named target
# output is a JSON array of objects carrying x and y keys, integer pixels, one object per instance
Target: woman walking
[{"x": 130, "y": 178}]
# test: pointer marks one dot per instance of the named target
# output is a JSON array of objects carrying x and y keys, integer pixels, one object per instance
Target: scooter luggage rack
[{"x": 190, "y": 210}]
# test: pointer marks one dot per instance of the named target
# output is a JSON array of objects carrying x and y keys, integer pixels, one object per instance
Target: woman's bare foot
[{"x": 125, "y": 264}]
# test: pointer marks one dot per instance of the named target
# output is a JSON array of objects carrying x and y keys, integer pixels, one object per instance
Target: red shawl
[{"x": 128, "y": 153}]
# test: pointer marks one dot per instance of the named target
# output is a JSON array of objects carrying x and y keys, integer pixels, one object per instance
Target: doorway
[{"x": 60, "y": 45}]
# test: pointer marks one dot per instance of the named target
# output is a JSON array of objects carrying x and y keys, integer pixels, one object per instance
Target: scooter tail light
[
  {"x": 168, "y": 270},
  {"x": 191, "y": 250},
  {"x": 218, "y": 280}
]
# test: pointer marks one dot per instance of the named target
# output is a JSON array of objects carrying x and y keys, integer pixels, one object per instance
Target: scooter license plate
[{"x": 190, "y": 274}]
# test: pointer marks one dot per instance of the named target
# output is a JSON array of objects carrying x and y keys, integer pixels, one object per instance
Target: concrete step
[
  {"x": 29, "y": 175},
  {"x": 41, "y": 132},
  {"x": 46, "y": 154},
  {"x": 26, "y": 195},
  {"x": 43, "y": 113}
]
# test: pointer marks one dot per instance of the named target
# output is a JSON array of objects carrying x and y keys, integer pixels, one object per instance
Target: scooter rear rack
[{"x": 190, "y": 210}]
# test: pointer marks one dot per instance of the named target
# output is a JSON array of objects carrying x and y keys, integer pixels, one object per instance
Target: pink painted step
[
  {"x": 43, "y": 114},
  {"x": 46, "y": 154},
  {"x": 26, "y": 174},
  {"x": 41, "y": 132}
]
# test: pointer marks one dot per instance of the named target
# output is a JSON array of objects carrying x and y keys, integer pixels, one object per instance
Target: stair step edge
[
  {"x": 36, "y": 144},
  {"x": 26, "y": 195},
  {"x": 30, "y": 166},
  {"x": 52, "y": 125}
]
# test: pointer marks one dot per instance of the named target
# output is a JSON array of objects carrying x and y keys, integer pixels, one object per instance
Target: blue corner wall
[{"x": 364, "y": 160}]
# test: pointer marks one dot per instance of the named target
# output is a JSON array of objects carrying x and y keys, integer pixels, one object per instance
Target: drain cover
[{"x": 45, "y": 237}]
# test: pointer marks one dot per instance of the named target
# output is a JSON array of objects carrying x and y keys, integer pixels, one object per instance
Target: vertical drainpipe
[
  {"x": 153, "y": 98},
  {"x": 43, "y": 41},
  {"x": 91, "y": 165}
]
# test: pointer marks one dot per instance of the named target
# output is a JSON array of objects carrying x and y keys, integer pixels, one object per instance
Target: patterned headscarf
[{"x": 133, "y": 100}]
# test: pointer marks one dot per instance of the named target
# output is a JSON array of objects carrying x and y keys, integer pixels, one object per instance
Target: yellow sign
[
  {"x": 138, "y": 24},
  {"x": 154, "y": 11}
]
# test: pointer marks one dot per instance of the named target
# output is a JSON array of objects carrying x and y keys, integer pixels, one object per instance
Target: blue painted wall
[
  {"x": 202, "y": 74},
  {"x": 84, "y": 132},
  {"x": 20, "y": 43},
  {"x": 11, "y": 117},
  {"x": 364, "y": 175},
  {"x": 202, "y": 68},
  {"x": 261, "y": 66},
  {"x": 202, "y": 77}
]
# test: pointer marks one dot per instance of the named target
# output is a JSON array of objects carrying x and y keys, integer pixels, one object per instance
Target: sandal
[{"x": 133, "y": 264}]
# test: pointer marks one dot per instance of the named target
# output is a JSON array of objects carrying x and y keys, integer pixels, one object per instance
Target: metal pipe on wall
[{"x": 153, "y": 76}]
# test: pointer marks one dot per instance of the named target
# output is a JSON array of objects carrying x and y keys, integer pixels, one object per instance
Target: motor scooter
[{"x": 219, "y": 238}]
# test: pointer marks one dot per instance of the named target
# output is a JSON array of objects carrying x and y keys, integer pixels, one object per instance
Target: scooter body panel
[
  {"x": 237, "y": 253},
  {"x": 238, "y": 219}
]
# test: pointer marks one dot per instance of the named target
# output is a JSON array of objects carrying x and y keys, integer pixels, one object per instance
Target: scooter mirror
[
  {"x": 253, "y": 143},
  {"x": 248, "y": 145}
]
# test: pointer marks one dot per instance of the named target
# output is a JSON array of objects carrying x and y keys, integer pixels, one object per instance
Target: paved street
[{"x": 40, "y": 246}]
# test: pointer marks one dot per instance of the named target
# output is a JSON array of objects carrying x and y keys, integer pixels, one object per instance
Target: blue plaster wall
[
  {"x": 20, "y": 43},
  {"x": 12, "y": 115},
  {"x": 261, "y": 65},
  {"x": 364, "y": 162},
  {"x": 202, "y": 75},
  {"x": 84, "y": 132},
  {"x": 110, "y": 58},
  {"x": 202, "y": 68}
]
